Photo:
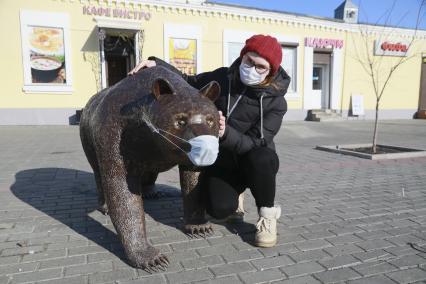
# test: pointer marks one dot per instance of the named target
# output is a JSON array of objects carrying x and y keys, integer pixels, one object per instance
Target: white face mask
[
  {"x": 249, "y": 75},
  {"x": 204, "y": 150}
]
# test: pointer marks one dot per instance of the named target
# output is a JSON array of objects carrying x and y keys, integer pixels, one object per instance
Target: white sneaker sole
[{"x": 265, "y": 244}]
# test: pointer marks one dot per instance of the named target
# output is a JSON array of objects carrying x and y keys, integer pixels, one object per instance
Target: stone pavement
[{"x": 345, "y": 219}]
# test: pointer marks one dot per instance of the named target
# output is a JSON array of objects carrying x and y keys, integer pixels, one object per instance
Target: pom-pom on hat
[{"x": 267, "y": 47}]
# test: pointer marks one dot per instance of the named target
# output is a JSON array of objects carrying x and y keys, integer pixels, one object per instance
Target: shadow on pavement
[{"x": 69, "y": 196}]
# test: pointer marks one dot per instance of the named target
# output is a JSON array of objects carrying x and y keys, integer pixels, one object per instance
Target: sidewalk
[{"x": 345, "y": 219}]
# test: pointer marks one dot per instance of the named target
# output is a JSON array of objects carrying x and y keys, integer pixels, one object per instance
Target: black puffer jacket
[{"x": 253, "y": 114}]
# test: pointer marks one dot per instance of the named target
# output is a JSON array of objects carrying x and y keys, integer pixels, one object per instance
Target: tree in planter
[{"x": 380, "y": 73}]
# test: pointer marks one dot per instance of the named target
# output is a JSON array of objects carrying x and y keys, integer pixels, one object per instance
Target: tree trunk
[{"x": 376, "y": 124}]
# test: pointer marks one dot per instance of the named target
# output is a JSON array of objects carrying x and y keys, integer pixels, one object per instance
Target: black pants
[{"x": 231, "y": 174}]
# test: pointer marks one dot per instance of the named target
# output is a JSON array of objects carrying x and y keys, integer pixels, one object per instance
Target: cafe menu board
[
  {"x": 47, "y": 56},
  {"x": 183, "y": 55}
]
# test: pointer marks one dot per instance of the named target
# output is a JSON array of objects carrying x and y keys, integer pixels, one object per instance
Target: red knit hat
[{"x": 267, "y": 47}]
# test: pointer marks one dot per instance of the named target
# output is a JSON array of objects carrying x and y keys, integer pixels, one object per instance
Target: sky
[{"x": 404, "y": 13}]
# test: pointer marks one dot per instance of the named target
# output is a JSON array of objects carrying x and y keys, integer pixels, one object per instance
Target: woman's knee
[
  {"x": 220, "y": 197},
  {"x": 221, "y": 211},
  {"x": 261, "y": 159}
]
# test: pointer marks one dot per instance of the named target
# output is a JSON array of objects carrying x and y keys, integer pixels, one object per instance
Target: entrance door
[
  {"x": 422, "y": 100},
  {"x": 116, "y": 69},
  {"x": 119, "y": 55},
  {"x": 321, "y": 83}
]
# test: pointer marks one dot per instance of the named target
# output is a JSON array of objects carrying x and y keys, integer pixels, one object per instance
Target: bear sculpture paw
[
  {"x": 150, "y": 260},
  {"x": 199, "y": 230}
]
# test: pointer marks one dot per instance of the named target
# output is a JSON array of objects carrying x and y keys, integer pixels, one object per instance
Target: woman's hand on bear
[
  {"x": 143, "y": 64},
  {"x": 221, "y": 124}
]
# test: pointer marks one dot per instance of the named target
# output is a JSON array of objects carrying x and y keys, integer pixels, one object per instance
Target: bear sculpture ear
[
  {"x": 211, "y": 90},
  {"x": 162, "y": 87}
]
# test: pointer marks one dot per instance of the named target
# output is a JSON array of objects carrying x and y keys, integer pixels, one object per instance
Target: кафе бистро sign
[{"x": 116, "y": 13}]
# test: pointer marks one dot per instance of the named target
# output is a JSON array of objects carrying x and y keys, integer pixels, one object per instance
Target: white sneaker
[
  {"x": 266, "y": 227},
  {"x": 238, "y": 215}
]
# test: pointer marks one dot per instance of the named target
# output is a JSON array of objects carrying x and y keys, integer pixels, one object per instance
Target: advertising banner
[{"x": 183, "y": 55}]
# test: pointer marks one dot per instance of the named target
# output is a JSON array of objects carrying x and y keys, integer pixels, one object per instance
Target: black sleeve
[
  {"x": 197, "y": 81},
  {"x": 240, "y": 143}
]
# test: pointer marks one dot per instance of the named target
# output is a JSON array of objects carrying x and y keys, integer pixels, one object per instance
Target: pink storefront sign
[{"x": 323, "y": 43}]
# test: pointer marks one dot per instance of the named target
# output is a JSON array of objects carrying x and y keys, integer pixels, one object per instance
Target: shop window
[
  {"x": 182, "y": 47},
  {"x": 289, "y": 64},
  {"x": 234, "y": 50},
  {"x": 46, "y": 52}
]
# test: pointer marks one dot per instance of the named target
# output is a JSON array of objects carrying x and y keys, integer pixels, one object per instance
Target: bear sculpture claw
[
  {"x": 150, "y": 260},
  {"x": 199, "y": 230}
]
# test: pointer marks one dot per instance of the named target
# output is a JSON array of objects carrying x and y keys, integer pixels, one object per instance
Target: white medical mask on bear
[
  {"x": 249, "y": 75},
  {"x": 204, "y": 150}
]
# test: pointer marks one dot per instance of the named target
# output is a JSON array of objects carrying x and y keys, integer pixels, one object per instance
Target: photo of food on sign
[
  {"x": 183, "y": 54},
  {"x": 47, "y": 55}
]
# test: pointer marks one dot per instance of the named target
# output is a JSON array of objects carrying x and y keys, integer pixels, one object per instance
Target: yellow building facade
[{"x": 56, "y": 54}]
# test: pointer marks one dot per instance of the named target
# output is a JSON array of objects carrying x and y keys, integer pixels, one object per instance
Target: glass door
[{"x": 320, "y": 83}]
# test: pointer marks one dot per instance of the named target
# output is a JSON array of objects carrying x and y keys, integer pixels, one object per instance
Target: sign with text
[
  {"x": 183, "y": 54},
  {"x": 357, "y": 105},
  {"x": 323, "y": 42},
  {"x": 391, "y": 48},
  {"x": 116, "y": 13}
]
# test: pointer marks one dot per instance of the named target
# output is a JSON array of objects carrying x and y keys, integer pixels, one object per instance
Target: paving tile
[
  {"x": 111, "y": 276},
  {"x": 189, "y": 276},
  {"x": 339, "y": 262},
  {"x": 201, "y": 262},
  {"x": 262, "y": 276},
  {"x": 408, "y": 275},
  {"x": 60, "y": 262},
  {"x": 301, "y": 269},
  {"x": 232, "y": 268},
  {"x": 408, "y": 261},
  {"x": 342, "y": 274},
  {"x": 343, "y": 249},
  {"x": 379, "y": 279},
  {"x": 222, "y": 280},
  {"x": 36, "y": 275},
  {"x": 88, "y": 268},
  {"x": 152, "y": 279},
  {"x": 312, "y": 244},
  {"x": 272, "y": 262},
  {"x": 299, "y": 280},
  {"x": 309, "y": 255},
  {"x": 374, "y": 267},
  {"x": 67, "y": 280}
]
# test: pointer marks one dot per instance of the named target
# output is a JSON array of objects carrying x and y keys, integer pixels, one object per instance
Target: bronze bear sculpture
[{"x": 119, "y": 131}]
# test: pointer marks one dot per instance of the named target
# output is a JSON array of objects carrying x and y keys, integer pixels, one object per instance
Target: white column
[
  {"x": 336, "y": 78},
  {"x": 310, "y": 100},
  {"x": 137, "y": 48},
  {"x": 102, "y": 58}
]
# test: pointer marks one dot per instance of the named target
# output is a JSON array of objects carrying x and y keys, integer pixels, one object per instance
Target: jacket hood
[{"x": 278, "y": 86}]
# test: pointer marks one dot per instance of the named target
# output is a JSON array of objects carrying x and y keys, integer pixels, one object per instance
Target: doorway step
[{"x": 324, "y": 115}]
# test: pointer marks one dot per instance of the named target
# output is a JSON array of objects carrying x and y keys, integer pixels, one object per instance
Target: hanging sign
[
  {"x": 390, "y": 48},
  {"x": 116, "y": 13},
  {"x": 323, "y": 42}
]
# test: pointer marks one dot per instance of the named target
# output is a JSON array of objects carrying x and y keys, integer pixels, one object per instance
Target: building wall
[
  {"x": 401, "y": 94},
  {"x": 19, "y": 107}
]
